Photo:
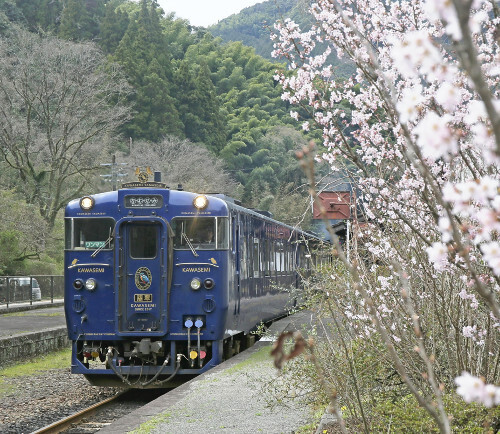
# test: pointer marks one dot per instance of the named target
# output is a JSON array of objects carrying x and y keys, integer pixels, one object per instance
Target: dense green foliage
[
  {"x": 186, "y": 84},
  {"x": 253, "y": 27}
]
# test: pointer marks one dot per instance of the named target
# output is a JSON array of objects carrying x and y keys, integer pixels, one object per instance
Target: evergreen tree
[
  {"x": 75, "y": 21},
  {"x": 40, "y": 13},
  {"x": 144, "y": 54},
  {"x": 208, "y": 124},
  {"x": 158, "y": 116},
  {"x": 185, "y": 88},
  {"x": 113, "y": 27}
]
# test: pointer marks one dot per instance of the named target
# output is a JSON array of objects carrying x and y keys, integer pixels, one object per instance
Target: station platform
[
  {"x": 234, "y": 397},
  {"x": 23, "y": 318},
  {"x": 27, "y": 330}
]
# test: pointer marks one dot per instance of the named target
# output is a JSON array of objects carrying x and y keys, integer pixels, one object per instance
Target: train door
[{"x": 142, "y": 282}]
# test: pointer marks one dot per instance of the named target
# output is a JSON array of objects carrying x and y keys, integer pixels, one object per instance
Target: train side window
[
  {"x": 223, "y": 233},
  {"x": 143, "y": 241},
  {"x": 266, "y": 257},
  {"x": 89, "y": 233},
  {"x": 203, "y": 233},
  {"x": 272, "y": 266},
  {"x": 244, "y": 259},
  {"x": 256, "y": 257}
]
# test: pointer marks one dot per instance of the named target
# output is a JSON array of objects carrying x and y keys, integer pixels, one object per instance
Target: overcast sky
[{"x": 205, "y": 12}]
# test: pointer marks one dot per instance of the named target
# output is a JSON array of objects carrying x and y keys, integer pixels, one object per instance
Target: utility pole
[{"x": 116, "y": 172}]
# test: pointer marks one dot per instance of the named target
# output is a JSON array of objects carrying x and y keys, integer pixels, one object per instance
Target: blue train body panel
[{"x": 162, "y": 282}]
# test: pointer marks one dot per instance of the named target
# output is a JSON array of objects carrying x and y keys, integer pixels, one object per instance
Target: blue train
[{"x": 161, "y": 283}]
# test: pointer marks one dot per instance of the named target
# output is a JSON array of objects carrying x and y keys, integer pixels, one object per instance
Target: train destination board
[{"x": 144, "y": 201}]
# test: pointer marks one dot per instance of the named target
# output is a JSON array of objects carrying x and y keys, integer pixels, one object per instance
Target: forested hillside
[
  {"x": 154, "y": 82},
  {"x": 253, "y": 25}
]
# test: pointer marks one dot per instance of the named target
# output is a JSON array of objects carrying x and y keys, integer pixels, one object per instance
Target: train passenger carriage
[{"x": 162, "y": 283}]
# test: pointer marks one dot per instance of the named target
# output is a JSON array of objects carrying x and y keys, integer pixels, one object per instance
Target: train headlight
[
  {"x": 200, "y": 202},
  {"x": 91, "y": 284},
  {"x": 87, "y": 203},
  {"x": 195, "y": 284},
  {"x": 78, "y": 284}
]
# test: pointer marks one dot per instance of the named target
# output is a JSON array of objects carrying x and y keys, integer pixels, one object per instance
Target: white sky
[{"x": 205, "y": 12}]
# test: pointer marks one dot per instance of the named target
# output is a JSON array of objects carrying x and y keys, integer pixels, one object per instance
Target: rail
[{"x": 66, "y": 422}]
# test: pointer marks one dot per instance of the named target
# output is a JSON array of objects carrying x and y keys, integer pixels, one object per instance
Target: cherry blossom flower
[
  {"x": 491, "y": 255},
  {"x": 438, "y": 255},
  {"x": 469, "y": 387},
  {"x": 435, "y": 137},
  {"x": 444, "y": 10},
  {"x": 491, "y": 395},
  {"x": 473, "y": 389},
  {"x": 449, "y": 96},
  {"x": 408, "y": 107},
  {"x": 469, "y": 331}
]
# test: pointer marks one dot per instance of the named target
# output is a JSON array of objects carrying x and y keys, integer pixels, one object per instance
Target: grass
[
  {"x": 151, "y": 424},
  {"x": 56, "y": 360},
  {"x": 258, "y": 357},
  {"x": 31, "y": 314}
]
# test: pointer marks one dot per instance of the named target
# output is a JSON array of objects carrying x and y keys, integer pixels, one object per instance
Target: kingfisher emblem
[
  {"x": 143, "y": 278},
  {"x": 143, "y": 176}
]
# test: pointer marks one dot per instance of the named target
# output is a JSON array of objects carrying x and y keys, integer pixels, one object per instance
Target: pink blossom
[
  {"x": 416, "y": 53},
  {"x": 448, "y": 96},
  {"x": 469, "y": 387},
  {"x": 438, "y": 255},
  {"x": 444, "y": 10},
  {"x": 491, "y": 255},
  {"x": 469, "y": 331},
  {"x": 489, "y": 222},
  {"x": 445, "y": 228},
  {"x": 409, "y": 105},
  {"x": 475, "y": 112},
  {"x": 488, "y": 188},
  {"x": 435, "y": 137},
  {"x": 491, "y": 395},
  {"x": 473, "y": 389}
]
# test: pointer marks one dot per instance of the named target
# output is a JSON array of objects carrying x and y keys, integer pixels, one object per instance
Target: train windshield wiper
[
  {"x": 183, "y": 235},
  {"x": 108, "y": 241}
]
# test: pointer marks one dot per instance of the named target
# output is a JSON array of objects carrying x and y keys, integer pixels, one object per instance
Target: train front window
[
  {"x": 203, "y": 233},
  {"x": 89, "y": 233},
  {"x": 143, "y": 241}
]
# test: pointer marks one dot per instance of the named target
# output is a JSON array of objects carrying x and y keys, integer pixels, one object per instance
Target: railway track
[{"x": 99, "y": 415}]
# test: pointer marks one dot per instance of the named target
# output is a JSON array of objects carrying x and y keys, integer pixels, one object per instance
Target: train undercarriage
[{"x": 148, "y": 363}]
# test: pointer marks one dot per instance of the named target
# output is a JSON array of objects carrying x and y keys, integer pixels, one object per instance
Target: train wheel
[
  {"x": 249, "y": 340},
  {"x": 228, "y": 350},
  {"x": 236, "y": 347}
]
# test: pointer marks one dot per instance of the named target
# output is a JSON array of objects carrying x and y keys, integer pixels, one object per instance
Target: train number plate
[{"x": 143, "y": 298}]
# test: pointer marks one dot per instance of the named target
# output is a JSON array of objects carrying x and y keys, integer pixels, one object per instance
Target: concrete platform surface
[
  {"x": 230, "y": 398},
  {"x": 19, "y": 320}
]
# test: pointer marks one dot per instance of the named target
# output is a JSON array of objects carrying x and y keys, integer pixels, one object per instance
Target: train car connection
[{"x": 162, "y": 283}]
